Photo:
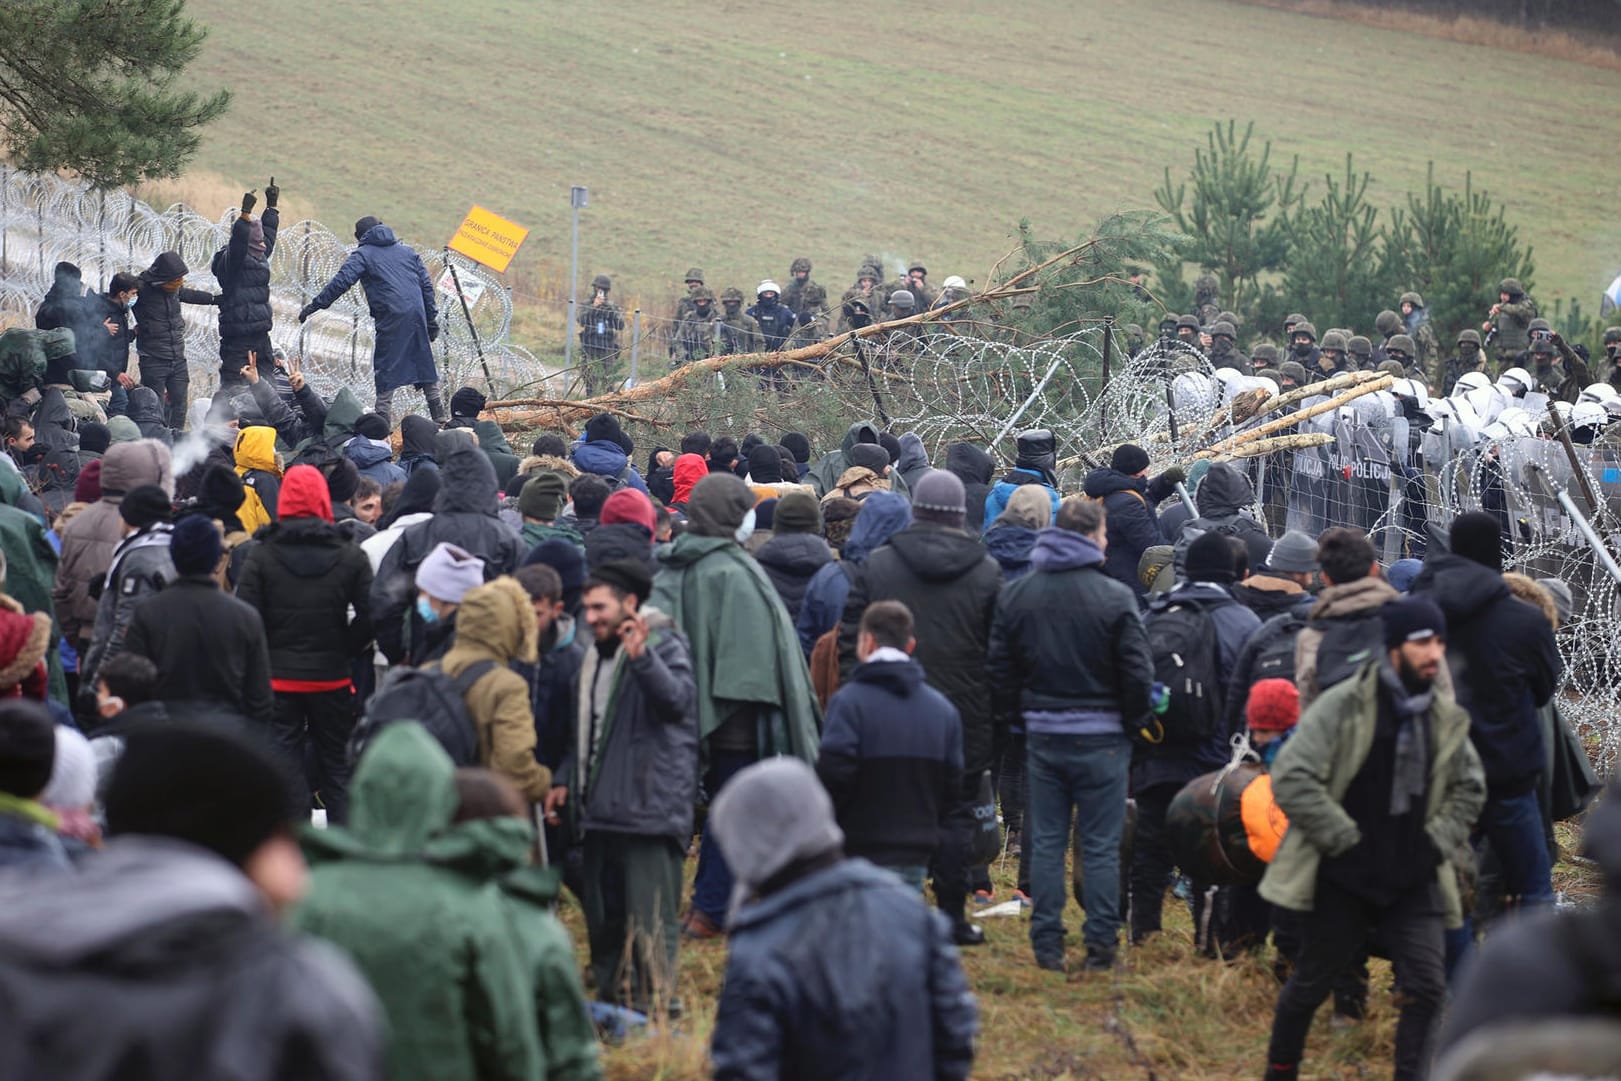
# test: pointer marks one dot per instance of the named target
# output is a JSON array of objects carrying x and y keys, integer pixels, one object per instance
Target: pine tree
[
  {"x": 89, "y": 86},
  {"x": 1334, "y": 271}
]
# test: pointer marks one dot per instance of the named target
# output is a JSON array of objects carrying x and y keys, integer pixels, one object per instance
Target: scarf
[{"x": 1412, "y": 746}]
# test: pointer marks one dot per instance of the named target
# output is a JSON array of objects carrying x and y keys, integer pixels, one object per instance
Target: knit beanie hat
[
  {"x": 467, "y": 403},
  {"x": 869, "y": 456},
  {"x": 94, "y": 437},
  {"x": 567, "y": 560},
  {"x": 215, "y": 786},
  {"x": 1128, "y": 458},
  {"x": 122, "y": 430},
  {"x": 940, "y": 498},
  {"x": 1411, "y": 619},
  {"x": 891, "y": 445},
  {"x": 372, "y": 426},
  {"x": 1478, "y": 536},
  {"x": 798, "y": 445},
  {"x": 798, "y": 512},
  {"x": 195, "y": 546},
  {"x": 27, "y": 747},
  {"x": 765, "y": 464},
  {"x": 770, "y": 816},
  {"x": 144, "y": 505},
  {"x": 543, "y": 496},
  {"x": 1211, "y": 558},
  {"x": 87, "y": 489},
  {"x": 342, "y": 480},
  {"x": 448, "y": 573},
  {"x": 1274, "y": 705},
  {"x": 718, "y": 505},
  {"x": 1293, "y": 553},
  {"x": 605, "y": 427},
  {"x": 626, "y": 575},
  {"x": 629, "y": 505},
  {"x": 73, "y": 776}
]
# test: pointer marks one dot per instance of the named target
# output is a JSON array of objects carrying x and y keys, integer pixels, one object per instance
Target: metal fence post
[{"x": 635, "y": 344}]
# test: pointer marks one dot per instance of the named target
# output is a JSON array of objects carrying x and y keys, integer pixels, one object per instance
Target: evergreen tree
[
  {"x": 1335, "y": 273},
  {"x": 89, "y": 86}
]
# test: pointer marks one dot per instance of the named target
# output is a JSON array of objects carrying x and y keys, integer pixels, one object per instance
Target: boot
[{"x": 436, "y": 404}]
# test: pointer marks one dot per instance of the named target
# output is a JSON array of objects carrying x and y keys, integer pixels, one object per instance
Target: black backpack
[
  {"x": 1347, "y": 645},
  {"x": 1276, "y": 659},
  {"x": 1182, "y": 640},
  {"x": 431, "y": 698}
]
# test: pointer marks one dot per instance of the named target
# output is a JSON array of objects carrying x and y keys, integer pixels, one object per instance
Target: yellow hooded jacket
[{"x": 260, "y": 471}]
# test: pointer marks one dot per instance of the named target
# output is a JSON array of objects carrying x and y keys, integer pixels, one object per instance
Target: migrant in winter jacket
[
  {"x": 950, "y": 584},
  {"x": 882, "y": 516},
  {"x": 1129, "y": 517},
  {"x": 244, "y": 278},
  {"x": 89, "y": 540},
  {"x": 974, "y": 468},
  {"x": 846, "y": 961},
  {"x": 824, "y": 475},
  {"x": 643, "y": 778},
  {"x": 264, "y": 1005},
  {"x": 790, "y": 560},
  {"x": 260, "y": 470},
  {"x": 1321, "y": 759},
  {"x": 496, "y": 623},
  {"x": 464, "y": 513},
  {"x": 744, "y": 651},
  {"x": 209, "y": 650},
  {"x": 414, "y": 901},
  {"x": 568, "y": 1038},
  {"x": 141, "y": 567},
  {"x": 374, "y": 458},
  {"x": 399, "y": 296},
  {"x": 160, "y": 328}
]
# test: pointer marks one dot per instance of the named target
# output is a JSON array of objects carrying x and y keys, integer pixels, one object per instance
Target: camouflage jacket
[
  {"x": 1513, "y": 326},
  {"x": 599, "y": 324},
  {"x": 805, "y": 298},
  {"x": 694, "y": 337},
  {"x": 738, "y": 333}
]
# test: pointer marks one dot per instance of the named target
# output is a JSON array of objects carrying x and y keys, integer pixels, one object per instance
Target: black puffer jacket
[
  {"x": 146, "y": 410},
  {"x": 1504, "y": 664},
  {"x": 209, "y": 650},
  {"x": 161, "y": 329},
  {"x": 790, "y": 560},
  {"x": 1132, "y": 527},
  {"x": 464, "y": 513},
  {"x": 950, "y": 584},
  {"x": 974, "y": 468},
  {"x": 303, "y": 576},
  {"x": 619, "y": 540},
  {"x": 244, "y": 279}
]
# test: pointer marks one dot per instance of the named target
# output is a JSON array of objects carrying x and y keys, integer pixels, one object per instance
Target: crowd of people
[{"x": 308, "y": 721}]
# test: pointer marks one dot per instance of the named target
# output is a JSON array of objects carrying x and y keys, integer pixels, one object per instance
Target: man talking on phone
[{"x": 631, "y": 779}]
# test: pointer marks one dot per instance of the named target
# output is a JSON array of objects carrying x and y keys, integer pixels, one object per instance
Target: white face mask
[{"x": 746, "y": 530}]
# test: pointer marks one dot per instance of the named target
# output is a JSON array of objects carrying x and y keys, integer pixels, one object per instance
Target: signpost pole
[
  {"x": 455, "y": 280},
  {"x": 577, "y": 197}
]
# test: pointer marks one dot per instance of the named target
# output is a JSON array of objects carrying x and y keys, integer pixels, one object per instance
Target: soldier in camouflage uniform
[
  {"x": 1540, "y": 330},
  {"x": 1416, "y": 318},
  {"x": 1401, "y": 351},
  {"x": 865, "y": 290},
  {"x": 1386, "y": 324},
  {"x": 695, "y": 334},
  {"x": 1265, "y": 355},
  {"x": 917, "y": 283},
  {"x": 1290, "y": 321},
  {"x": 1470, "y": 357},
  {"x": 1359, "y": 353},
  {"x": 905, "y": 340},
  {"x": 1610, "y": 366},
  {"x": 736, "y": 331},
  {"x": 808, "y": 301},
  {"x": 1331, "y": 359},
  {"x": 1224, "y": 349},
  {"x": 1167, "y": 326},
  {"x": 1187, "y": 331},
  {"x": 1562, "y": 380},
  {"x": 695, "y": 282},
  {"x": 600, "y": 324},
  {"x": 1511, "y": 318},
  {"x": 1207, "y": 299}
]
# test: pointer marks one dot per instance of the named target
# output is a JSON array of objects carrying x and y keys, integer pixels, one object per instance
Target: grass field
[{"x": 737, "y": 137}]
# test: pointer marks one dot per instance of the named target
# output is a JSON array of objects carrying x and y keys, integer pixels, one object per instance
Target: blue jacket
[
  {"x": 883, "y": 514},
  {"x": 843, "y": 975},
  {"x": 373, "y": 459},
  {"x": 1010, "y": 546},
  {"x": 607, "y": 460},
  {"x": 891, "y": 759},
  {"x": 1233, "y": 625},
  {"x": 553, "y": 680},
  {"x": 996, "y": 501},
  {"x": 30, "y": 846},
  {"x": 400, "y": 297}
]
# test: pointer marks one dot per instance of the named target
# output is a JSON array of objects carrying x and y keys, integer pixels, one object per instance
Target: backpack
[
  {"x": 1276, "y": 659},
  {"x": 1182, "y": 640},
  {"x": 434, "y": 700},
  {"x": 1347, "y": 645}
]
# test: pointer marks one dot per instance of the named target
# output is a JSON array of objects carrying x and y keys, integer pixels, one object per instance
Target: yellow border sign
[{"x": 488, "y": 238}]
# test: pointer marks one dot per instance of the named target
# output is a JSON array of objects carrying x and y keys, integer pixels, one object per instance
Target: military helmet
[
  {"x": 1332, "y": 340},
  {"x": 695, "y": 274},
  {"x": 1188, "y": 321},
  {"x": 1272, "y": 374},
  {"x": 799, "y": 264},
  {"x": 1293, "y": 369},
  {"x": 703, "y": 292},
  {"x": 601, "y": 282},
  {"x": 1394, "y": 367},
  {"x": 1468, "y": 336},
  {"x": 1223, "y": 329},
  {"x": 870, "y": 271},
  {"x": 1612, "y": 334},
  {"x": 1401, "y": 343},
  {"x": 1229, "y": 317},
  {"x": 732, "y": 295},
  {"x": 1169, "y": 321},
  {"x": 1412, "y": 298},
  {"x": 1358, "y": 346},
  {"x": 1293, "y": 318},
  {"x": 918, "y": 266},
  {"x": 1537, "y": 325},
  {"x": 1304, "y": 327},
  {"x": 902, "y": 298},
  {"x": 1511, "y": 286},
  {"x": 1264, "y": 353},
  {"x": 1387, "y": 323}
]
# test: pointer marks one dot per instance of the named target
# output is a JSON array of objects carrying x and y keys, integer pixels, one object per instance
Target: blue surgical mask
[
  {"x": 425, "y": 610},
  {"x": 129, "y": 303}
]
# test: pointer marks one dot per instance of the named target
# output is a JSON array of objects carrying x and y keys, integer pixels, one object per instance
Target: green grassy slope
[{"x": 738, "y": 136}]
